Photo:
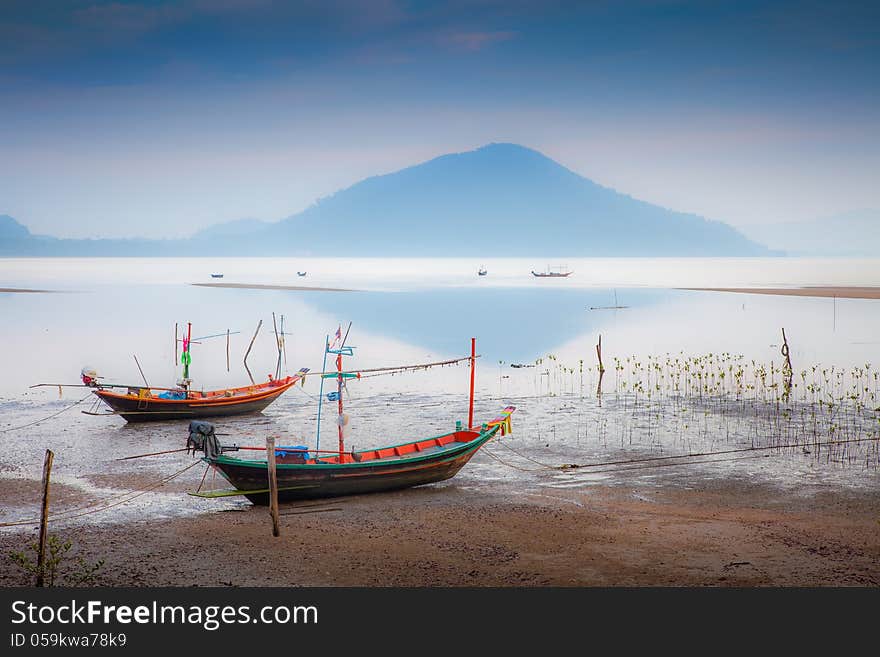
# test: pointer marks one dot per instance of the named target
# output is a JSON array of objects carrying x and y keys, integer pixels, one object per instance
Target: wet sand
[
  {"x": 731, "y": 534},
  {"x": 259, "y": 286},
  {"x": 851, "y": 292}
]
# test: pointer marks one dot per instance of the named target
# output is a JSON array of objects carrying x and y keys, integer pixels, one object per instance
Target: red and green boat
[
  {"x": 302, "y": 473},
  {"x": 302, "y": 476}
]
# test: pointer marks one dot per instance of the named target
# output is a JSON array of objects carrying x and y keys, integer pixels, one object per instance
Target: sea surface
[{"x": 537, "y": 344}]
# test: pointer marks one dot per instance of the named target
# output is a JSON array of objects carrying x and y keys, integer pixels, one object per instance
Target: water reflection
[{"x": 411, "y": 311}]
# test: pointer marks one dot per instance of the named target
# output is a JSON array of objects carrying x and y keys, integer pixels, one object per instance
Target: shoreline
[
  {"x": 730, "y": 533},
  {"x": 262, "y": 286},
  {"x": 837, "y": 292}
]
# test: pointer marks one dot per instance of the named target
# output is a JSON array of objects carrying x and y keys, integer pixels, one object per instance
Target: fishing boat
[
  {"x": 302, "y": 473},
  {"x": 216, "y": 275},
  {"x": 553, "y": 272},
  {"x": 148, "y": 403},
  {"x": 301, "y": 273},
  {"x": 142, "y": 404},
  {"x": 482, "y": 271}
]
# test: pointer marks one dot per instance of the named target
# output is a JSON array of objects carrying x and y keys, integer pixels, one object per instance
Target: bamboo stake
[
  {"x": 175, "y": 343},
  {"x": 227, "y": 350},
  {"x": 140, "y": 370},
  {"x": 283, "y": 344},
  {"x": 251, "y": 376},
  {"x": 278, "y": 345},
  {"x": 44, "y": 517},
  {"x": 273, "y": 484}
]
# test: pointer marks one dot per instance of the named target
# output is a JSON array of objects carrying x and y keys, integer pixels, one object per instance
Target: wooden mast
[
  {"x": 473, "y": 361},
  {"x": 339, "y": 402}
]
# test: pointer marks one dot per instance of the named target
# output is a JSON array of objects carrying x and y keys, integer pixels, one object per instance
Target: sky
[{"x": 157, "y": 119}]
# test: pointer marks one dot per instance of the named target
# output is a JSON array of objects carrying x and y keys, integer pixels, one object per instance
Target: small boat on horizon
[
  {"x": 482, "y": 271},
  {"x": 216, "y": 275},
  {"x": 553, "y": 272},
  {"x": 301, "y": 273}
]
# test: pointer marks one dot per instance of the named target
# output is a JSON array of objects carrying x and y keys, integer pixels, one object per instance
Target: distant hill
[
  {"x": 499, "y": 200},
  {"x": 854, "y": 233}
]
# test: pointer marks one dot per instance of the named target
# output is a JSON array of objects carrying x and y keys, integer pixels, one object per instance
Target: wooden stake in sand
[
  {"x": 44, "y": 517},
  {"x": 251, "y": 376},
  {"x": 227, "y": 350},
  {"x": 273, "y": 484}
]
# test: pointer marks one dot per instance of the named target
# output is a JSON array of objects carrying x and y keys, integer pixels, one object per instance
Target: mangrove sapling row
[{"x": 715, "y": 400}]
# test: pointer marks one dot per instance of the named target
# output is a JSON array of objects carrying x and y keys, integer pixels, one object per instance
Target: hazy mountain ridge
[
  {"x": 855, "y": 233},
  {"x": 499, "y": 200}
]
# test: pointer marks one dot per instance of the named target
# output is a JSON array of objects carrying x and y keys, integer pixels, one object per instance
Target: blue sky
[{"x": 159, "y": 118}]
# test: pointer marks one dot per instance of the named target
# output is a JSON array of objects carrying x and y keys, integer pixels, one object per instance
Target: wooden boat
[
  {"x": 482, "y": 271},
  {"x": 146, "y": 403},
  {"x": 301, "y": 476},
  {"x": 301, "y": 273},
  {"x": 141, "y": 404},
  {"x": 216, "y": 275}
]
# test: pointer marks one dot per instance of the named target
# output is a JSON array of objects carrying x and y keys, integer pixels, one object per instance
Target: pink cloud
[{"x": 474, "y": 41}]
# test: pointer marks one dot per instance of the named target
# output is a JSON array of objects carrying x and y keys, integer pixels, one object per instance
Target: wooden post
[
  {"x": 44, "y": 517},
  {"x": 273, "y": 484},
  {"x": 247, "y": 353},
  {"x": 227, "y": 350},
  {"x": 473, "y": 362},
  {"x": 175, "y": 344},
  {"x": 599, "y": 354}
]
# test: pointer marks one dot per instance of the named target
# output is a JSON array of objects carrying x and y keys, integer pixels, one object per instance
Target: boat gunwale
[
  {"x": 217, "y": 397},
  {"x": 477, "y": 442}
]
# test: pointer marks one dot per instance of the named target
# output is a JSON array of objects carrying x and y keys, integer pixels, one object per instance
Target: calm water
[{"x": 102, "y": 312}]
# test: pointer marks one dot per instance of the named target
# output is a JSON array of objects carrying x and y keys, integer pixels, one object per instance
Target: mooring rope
[
  {"x": 668, "y": 457},
  {"x": 89, "y": 509},
  {"x": 48, "y": 417},
  {"x": 377, "y": 371}
]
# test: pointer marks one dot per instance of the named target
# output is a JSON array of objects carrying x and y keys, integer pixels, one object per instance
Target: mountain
[
  {"x": 855, "y": 233},
  {"x": 501, "y": 200},
  {"x": 11, "y": 230},
  {"x": 235, "y": 228}
]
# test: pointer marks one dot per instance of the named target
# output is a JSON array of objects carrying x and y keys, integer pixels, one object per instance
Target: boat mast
[
  {"x": 321, "y": 392},
  {"x": 471, "y": 406},
  {"x": 185, "y": 357},
  {"x": 340, "y": 376}
]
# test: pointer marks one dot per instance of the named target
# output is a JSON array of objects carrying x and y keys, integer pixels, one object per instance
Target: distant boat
[
  {"x": 216, "y": 275},
  {"x": 553, "y": 272},
  {"x": 300, "y": 273},
  {"x": 482, "y": 271}
]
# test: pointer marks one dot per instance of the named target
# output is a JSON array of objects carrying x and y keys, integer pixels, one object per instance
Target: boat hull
[
  {"x": 151, "y": 409},
  {"x": 311, "y": 481}
]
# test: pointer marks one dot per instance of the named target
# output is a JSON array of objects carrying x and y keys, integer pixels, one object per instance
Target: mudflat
[{"x": 727, "y": 534}]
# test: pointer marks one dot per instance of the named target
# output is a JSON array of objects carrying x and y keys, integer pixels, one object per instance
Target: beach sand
[
  {"x": 850, "y": 292},
  {"x": 732, "y": 534}
]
